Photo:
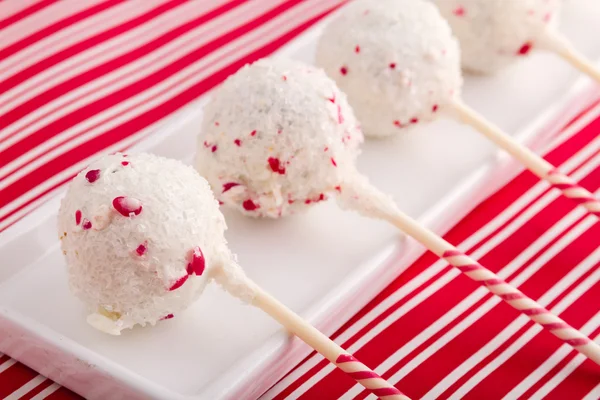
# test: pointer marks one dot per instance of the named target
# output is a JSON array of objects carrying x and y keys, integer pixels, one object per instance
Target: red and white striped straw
[
  {"x": 574, "y": 191},
  {"x": 526, "y": 305}
]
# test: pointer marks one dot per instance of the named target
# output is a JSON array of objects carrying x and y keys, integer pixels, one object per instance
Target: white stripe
[
  {"x": 476, "y": 296},
  {"x": 46, "y": 392},
  {"x": 115, "y": 80},
  {"x": 440, "y": 264},
  {"x": 517, "y": 324},
  {"x": 590, "y": 326},
  {"x": 98, "y": 54},
  {"x": 40, "y": 20},
  {"x": 26, "y": 388},
  {"x": 10, "y": 8},
  {"x": 471, "y": 241},
  {"x": 70, "y": 35},
  {"x": 7, "y": 364},
  {"x": 257, "y": 38}
]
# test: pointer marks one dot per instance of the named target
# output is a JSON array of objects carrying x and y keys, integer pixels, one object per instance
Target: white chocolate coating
[
  {"x": 145, "y": 265},
  {"x": 277, "y": 137},
  {"x": 496, "y": 33},
  {"x": 395, "y": 59}
]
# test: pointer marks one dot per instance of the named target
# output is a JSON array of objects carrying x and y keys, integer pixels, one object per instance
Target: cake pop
[
  {"x": 143, "y": 235},
  {"x": 495, "y": 33},
  {"x": 407, "y": 71},
  {"x": 262, "y": 100}
]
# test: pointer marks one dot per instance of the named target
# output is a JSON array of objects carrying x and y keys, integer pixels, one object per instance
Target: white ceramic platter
[{"x": 325, "y": 264}]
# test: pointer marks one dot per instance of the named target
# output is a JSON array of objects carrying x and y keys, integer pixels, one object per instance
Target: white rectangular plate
[{"x": 325, "y": 264}]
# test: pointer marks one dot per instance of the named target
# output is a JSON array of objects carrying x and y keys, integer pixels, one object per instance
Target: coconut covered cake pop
[
  {"x": 278, "y": 136},
  {"x": 496, "y": 33},
  {"x": 140, "y": 235},
  {"x": 143, "y": 235},
  {"x": 395, "y": 59}
]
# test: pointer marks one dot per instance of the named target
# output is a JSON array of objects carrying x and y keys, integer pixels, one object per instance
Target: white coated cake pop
[
  {"x": 495, "y": 33},
  {"x": 277, "y": 137},
  {"x": 395, "y": 59},
  {"x": 141, "y": 235}
]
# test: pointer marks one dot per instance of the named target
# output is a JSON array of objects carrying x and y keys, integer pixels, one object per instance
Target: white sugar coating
[
  {"x": 277, "y": 137},
  {"x": 395, "y": 59},
  {"x": 496, "y": 33},
  {"x": 123, "y": 267}
]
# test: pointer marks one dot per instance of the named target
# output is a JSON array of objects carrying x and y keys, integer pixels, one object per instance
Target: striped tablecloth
[{"x": 78, "y": 78}]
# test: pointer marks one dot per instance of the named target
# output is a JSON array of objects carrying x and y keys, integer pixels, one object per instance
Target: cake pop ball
[
  {"x": 141, "y": 235},
  {"x": 496, "y": 33},
  {"x": 395, "y": 59},
  {"x": 278, "y": 136}
]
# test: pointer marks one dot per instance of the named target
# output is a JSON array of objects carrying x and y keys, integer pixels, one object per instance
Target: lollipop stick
[
  {"x": 532, "y": 161},
  {"x": 511, "y": 295},
  {"x": 554, "y": 41},
  {"x": 326, "y": 347}
]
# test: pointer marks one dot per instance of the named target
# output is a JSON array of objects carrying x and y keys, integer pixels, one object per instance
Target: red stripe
[
  {"x": 41, "y": 174},
  {"x": 14, "y": 377},
  {"x": 512, "y": 296},
  {"x": 469, "y": 268},
  {"x": 344, "y": 358},
  {"x": 386, "y": 392},
  {"x": 55, "y": 27},
  {"x": 21, "y": 110},
  {"x": 36, "y": 390},
  {"x": 362, "y": 375},
  {"x": 26, "y": 12}
]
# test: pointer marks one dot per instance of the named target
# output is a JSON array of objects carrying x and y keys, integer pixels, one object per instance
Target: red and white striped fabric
[
  {"x": 78, "y": 78},
  {"x": 437, "y": 335}
]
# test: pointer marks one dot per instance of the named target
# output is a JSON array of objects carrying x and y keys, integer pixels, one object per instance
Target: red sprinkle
[
  {"x": 284, "y": 78},
  {"x": 214, "y": 148},
  {"x": 279, "y": 131},
  {"x": 124, "y": 163},
  {"x": 168, "y": 316},
  {"x": 357, "y": 49},
  {"x": 434, "y": 108},
  {"x": 338, "y": 188},
  {"x": 141, "y": 249},
  {"x": 216, "y": 123},
  {"x": 127, "y": 206},
  {"x": 290, "y": 201},
  {"x": 249, "y": 205},
  {"x": 196, "y": 266},
  {"x": 340, "y": 116},
  {"x": 307, "y": 201},
  {"x": 344, "y": 70},
  {"x": 253, "y": 133},
  {"x": 238, "y": 142},
  {"x": 414, "y": 120},
  {"x": 321, "y": 197},
  {"x": 206, "y": 144},
  {"x": 276, "y": 166},
  {"x": 459, "y": 11},
  {"x": 229, "y": 185},
  {"x": 220, "y": 202},
  {"x": 93, "y": 175},
  {"x": 86, "y": 224},
  {"x": 178, "y": 283},
  {"x": 398, "y": 124},
  {"x": 393, "y": 65},
  {"x": 326, "y": 148},
  {"x": 333, "y": 162},
  {"x": 77, "y": 217},
  {"x": 526, "y": 48}
]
